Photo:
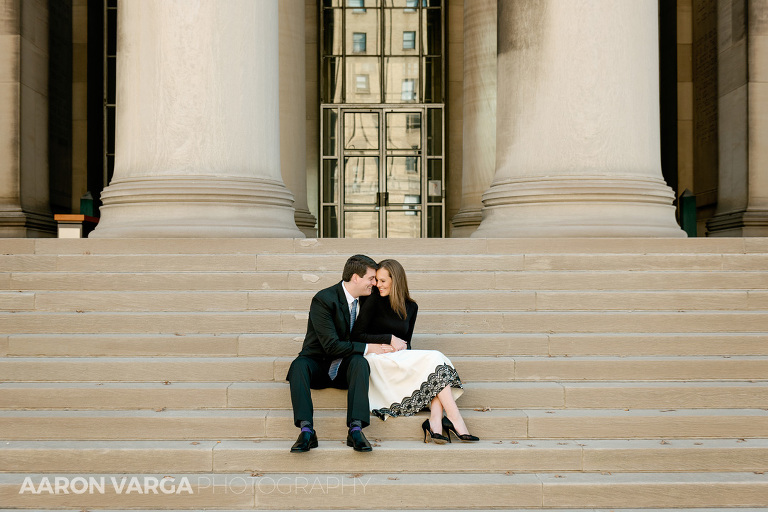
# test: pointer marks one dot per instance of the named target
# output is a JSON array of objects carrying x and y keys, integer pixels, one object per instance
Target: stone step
[
  {"x": 530, "y": 456},
  {"x": 486, "y": 300},
  {"x": 93, "y": 246},
  {"x": 421, "y": 490},
  {"x": 551, "y": 395},
  {"x": 145, "y": 345},
  {"x": 513, "y": 261},
  {"x": 647, "y": 344},
  {"x": 418, "y": 281},
  {"x": 288, "y": 345},
  {"x": 241, "y": 395},
  {"x": 200, "y": 369},
  {"x": 277, "y": 424},
  {"x": 491, "y": 300},
  {"x": 172, "y": 369},
  {"x": 443, "y": 322},
  {"x": 651, "y": 395},
  {"x": 471, "y": 369},
  {"x": 423, "y": 261},
  {"x": 494, "y": 395},
  {"x": 612, "y": 509}
]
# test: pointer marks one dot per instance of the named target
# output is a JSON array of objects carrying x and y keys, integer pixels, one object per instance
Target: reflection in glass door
[
  {"x": 381, "y": 91},
  {"x": 403, "y": 205},
  {"x": 382, "y": 173},
  {"x": 361, "y": 160}
]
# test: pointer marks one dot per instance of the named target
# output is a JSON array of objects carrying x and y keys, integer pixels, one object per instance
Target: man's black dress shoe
[
  {"x": 356, "y": 439},
  {"x": 305, "y": 441}
]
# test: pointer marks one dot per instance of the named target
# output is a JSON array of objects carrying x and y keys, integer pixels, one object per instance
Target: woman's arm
[
  {"x": 411, "y": 323},
  {"x": 360, "y": 331}
]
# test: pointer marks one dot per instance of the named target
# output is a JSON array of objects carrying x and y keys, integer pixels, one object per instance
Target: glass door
[
  {"x": 379, "y": 180},
  {"x": 403, "y": 153},
  {"x": 361, "y": 195},
  {"x": 382, "y": 102}
]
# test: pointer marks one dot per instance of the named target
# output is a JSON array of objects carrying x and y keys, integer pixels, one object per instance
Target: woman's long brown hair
[{"x": 398, "y": 293}]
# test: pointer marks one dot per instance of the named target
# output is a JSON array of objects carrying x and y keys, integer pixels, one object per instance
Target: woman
[{"x": 406, "y": 381}]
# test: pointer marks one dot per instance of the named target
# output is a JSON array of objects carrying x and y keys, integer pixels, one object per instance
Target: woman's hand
[
  {"x": 398, "y": 344},
  {"x": 375, "y": 348}
]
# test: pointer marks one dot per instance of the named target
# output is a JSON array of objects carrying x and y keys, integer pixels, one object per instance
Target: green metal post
[{"x": 688, "y": 213}]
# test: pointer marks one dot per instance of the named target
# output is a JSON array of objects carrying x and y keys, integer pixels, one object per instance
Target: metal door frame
[{"x": 383, "y": 155}]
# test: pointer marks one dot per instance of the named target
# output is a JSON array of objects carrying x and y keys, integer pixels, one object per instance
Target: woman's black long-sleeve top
[{"x": 377, "y": 321}]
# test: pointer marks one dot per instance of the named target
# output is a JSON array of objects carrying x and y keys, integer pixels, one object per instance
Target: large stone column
[
  {"x": 577, "y": 142},
  {"x": 24, "y": 180},
  {"x": 742, "y": 202},
  {"x": 479, "y": 137},
  {"x": 293, "y": 111},
  {"x": 197, "y": 135}
]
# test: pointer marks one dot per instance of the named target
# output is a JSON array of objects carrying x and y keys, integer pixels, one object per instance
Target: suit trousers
[{"x": 308, "y": 373}]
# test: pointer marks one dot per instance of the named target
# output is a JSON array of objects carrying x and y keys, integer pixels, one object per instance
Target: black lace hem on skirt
[{"x": 444, "y": 375}]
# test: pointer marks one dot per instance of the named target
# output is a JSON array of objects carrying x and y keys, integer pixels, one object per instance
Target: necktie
[{"x": 334, "y": 368}]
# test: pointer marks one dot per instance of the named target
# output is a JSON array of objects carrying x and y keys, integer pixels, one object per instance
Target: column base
[
  {"x": 466, "y": 222},
  {"x": 739, "y": 224},
  {"x": 196, "y": 206},
  {"x": 16, "y": 223},
  {"x": 579, "y": 206},
  {"x": 306, "y": 223}
]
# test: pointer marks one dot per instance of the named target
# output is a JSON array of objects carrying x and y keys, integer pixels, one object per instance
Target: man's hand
[
  {"x": 375, "y": 348},
  {"x": 398, "y": 344}
]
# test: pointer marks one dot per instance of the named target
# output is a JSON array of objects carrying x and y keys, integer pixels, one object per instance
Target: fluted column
[
  {"x": 577, "y": 133},
  {"x": 197, "y": 135},
  {"x": 293, "y": 111},
  {"x": 479, "y": 137}
]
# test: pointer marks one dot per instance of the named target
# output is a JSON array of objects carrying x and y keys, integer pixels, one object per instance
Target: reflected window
[
  {"x": 361, "y": 179},
  {"x": 382, "y": 152},
  {"x": 409, "y": 40},
  {"x": 408, "y": 92},
  {"x": 413, "y": 122},
  {"x": 358, "y": 66},
  {"x": 403, "y": 130},
  {"x": 358, "y": 42},
  {"x": 403, "y": 186},
  {"x": 361, "y": 130},
  {"x": 410, "y": 164},
  {"x": 358, "y": 4},
  {"x": 402, "y": 46},
  {"x": 403, "y": 224},
  {"x": 362, "y": 83}
]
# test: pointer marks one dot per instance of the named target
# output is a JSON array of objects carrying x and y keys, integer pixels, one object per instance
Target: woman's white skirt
[{"x": 403, "y": 383}]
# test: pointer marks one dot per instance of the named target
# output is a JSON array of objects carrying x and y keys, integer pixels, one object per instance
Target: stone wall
[{"x": 24, "y": 197}]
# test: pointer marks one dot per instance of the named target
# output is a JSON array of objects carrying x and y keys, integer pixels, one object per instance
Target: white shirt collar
[{"x": 350, "y": 298}]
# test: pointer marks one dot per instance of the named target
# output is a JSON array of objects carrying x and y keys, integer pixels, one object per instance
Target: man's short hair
[{"x": 357, "y": 264}]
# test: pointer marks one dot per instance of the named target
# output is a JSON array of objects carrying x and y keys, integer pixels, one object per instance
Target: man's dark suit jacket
[{"x": 327, "y": 335}]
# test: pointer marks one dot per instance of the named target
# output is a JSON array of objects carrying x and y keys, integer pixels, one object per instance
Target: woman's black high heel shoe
[
  {"x": 448, "y": 427},
  {"x": 437, "y": 438}
]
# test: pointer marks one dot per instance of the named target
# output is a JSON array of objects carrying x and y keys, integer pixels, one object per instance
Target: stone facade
[
  {"x": 742, "y": 44},
  {"x": 24, "y": 111},
  {"x": 571, "y": 149}
]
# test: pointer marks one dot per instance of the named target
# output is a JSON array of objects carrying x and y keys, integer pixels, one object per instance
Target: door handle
[{"x": 382, "y": 199}]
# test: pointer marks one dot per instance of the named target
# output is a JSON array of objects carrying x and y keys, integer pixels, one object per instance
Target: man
[{"x": 329, "y": 359}]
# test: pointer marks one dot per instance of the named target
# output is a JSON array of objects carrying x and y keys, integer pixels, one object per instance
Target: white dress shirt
[{"x": 350, "y": 300}]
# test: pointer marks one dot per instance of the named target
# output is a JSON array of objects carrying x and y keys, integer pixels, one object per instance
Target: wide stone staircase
[{"x": 601, "y": 374}]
